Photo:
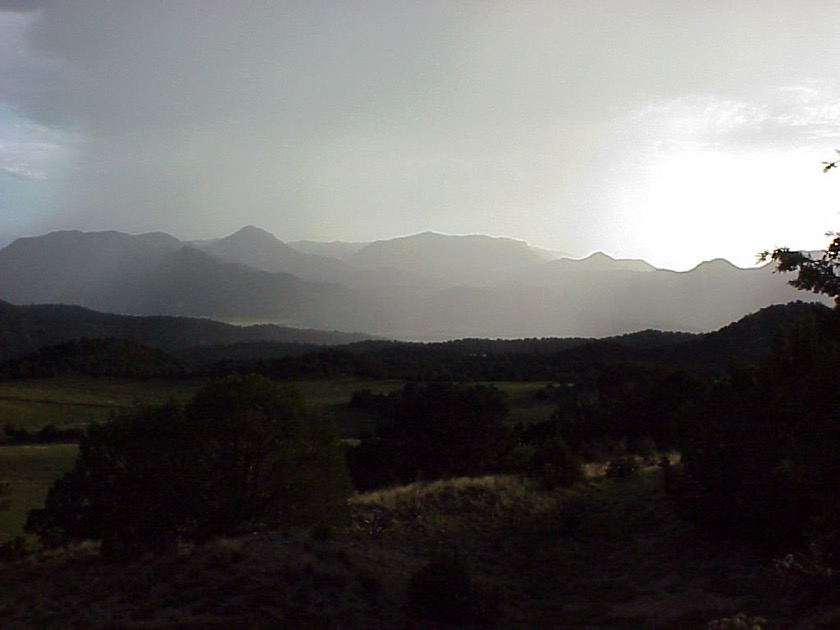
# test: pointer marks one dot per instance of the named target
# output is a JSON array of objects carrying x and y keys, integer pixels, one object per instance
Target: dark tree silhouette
[{"x": 819, "y": 275}]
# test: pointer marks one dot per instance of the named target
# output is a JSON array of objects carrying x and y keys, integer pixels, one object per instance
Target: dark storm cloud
[
  {"x": 193, "y": 109},
  {"x": 113, "y": 66}
]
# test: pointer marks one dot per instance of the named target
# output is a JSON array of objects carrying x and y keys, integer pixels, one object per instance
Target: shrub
[
  {"x": 540, "y": 451},
  {"x": 759, "y": 455},
  {"x": 242, "y": 454},
  {"x": 555, "y": 463}
]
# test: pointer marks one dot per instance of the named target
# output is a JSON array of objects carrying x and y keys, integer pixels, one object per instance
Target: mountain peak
[
  {"x": 599, "y": 261},
  {"x": 251, "y": 233},
  {"x": 598, "y": 257},
  {"x": 716, "y": 265}
]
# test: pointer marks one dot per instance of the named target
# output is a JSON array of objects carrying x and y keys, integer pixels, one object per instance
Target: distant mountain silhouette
[
  {"x": 262, "y": 250},
  {"x": 422, "y": 287},
  {"x": 599, "y": 261},
  {"x": 331, "y": 249},
  {"x": 75, "y": 267},
  {"x": 450, "y": 260}
]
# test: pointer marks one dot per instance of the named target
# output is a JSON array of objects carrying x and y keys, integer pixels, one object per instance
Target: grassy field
[
  {"x": 31, "y": 470},
  {"x": 64, "y": 403},
  {"x": 76, "y": 402},
  {"x": 525, "y": 406}
]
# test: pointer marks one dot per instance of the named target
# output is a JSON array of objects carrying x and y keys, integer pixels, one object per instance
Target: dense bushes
[
  {"x": 540, "y": 451},
  {"x": 626, "y": 407},
  {"x": 432, "y": 431},
  {"x": 760, "y": 461},
  {"x": 241, "y": 454},
  {"x": 440, "y": 430}
]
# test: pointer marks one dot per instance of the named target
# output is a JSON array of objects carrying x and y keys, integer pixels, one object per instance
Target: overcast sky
[{"x": 660, "y": 129}]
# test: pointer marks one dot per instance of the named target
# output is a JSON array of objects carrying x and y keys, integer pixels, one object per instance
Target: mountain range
[{"x": 423, "y": 287}]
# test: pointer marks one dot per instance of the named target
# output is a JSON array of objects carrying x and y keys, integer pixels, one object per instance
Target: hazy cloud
[
  {"x": 22, "y": 6},
  {"x": 331, "y": 120},
  {"x": 22, "y": 172}
]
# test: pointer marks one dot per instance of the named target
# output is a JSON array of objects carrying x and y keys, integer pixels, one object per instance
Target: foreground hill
[
  {"x": 423, "y": 287},
  {"x": 603, "y": 555}
]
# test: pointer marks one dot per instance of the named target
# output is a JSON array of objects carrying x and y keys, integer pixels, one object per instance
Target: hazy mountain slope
[
  {"x": 261, "y": 250},
  {"x": 73, "y": 266},
  {"x": 550, "y": 254},
  {"x": 451, "y": 260},
  {"x": 156, "y": 275},
  {"x": 190, "y": 282},
  {"x": 331, "y": 249},
  {"x": 598, "y": 261},
  {"x": 574, "y": 300}
]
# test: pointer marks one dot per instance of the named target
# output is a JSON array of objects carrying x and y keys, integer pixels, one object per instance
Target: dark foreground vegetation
[{"x": 672, "y": 480}]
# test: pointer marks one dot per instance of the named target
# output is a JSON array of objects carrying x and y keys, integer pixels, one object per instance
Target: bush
[
  {"x": 241, "y": 455},
  {"x": 759, "y": 457},
  {"x": 539, "y": 450},
  {"x": 555, "y": 463}
]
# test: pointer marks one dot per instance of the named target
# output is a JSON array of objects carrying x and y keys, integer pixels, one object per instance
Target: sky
[{"x": 666, "y": 130}]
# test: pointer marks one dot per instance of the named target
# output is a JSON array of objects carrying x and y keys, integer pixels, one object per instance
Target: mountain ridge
[
  {"x": 25, "y": 329},
  {"x": 426, "y": 286}
]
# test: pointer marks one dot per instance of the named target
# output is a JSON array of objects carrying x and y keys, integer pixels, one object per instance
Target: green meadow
[
  {"x": 31, "y": 470},
  {"x": 77, "y": 402}
]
